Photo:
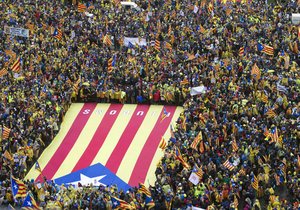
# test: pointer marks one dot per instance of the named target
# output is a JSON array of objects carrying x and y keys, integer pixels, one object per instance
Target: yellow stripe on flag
[
  {"x": 114, "y": 134},
  {"x": 83, "y": 141},
  {"x": 151, "y": 178},
  {"x": 133, "y": 152},
  {"x": 51, "y": 149}
]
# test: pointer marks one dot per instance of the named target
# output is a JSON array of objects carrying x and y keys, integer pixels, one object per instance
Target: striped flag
[
  {"x": 255, "y": 72},
  {"x": 264, "y": 98},
  {"x": 6, "y": 132},
  {"x": 16, "y": 66},
  {"x": 198, "y": 171},
  {"x": 143, "y": 189},
  {"x": 117, "y": 203},
  {"x": 3, "y": 72},
  {"x": 267, "y": 133},
  {"x": 149, "y": 202},
  {"x": 18, "y": 187},
  {"x": 185, "y": 81},
  {"x": 76, "y": 85},
  {"x": 111, "y": 63},
  {"x": 29, "y": 203},
  {"x": 81, "y": 7},
  {"x": 242, "y": 172},
  {"x": 274, "y": 134},
  {"x": 201, "y": 146},
  {"x": 170, "y": 30},
  {"x": 227, "y": 164},
  {"x": 57, "y": 34},
  {"x": 270, "y": 113},
  {"x": 157, "y": 45},
  {"x": 210, "y": 7},
  {"x": 265, "y": 49},
  {"x": 277, "y": 179},
  {"x": 180, "y": 158},
  {"x": 164, "y": 115},
  {"x": 163, "y": 144},
  {"x": 168, "y": 46},
  {"x": 235, "y": 202},
  {"x": 241, "y": 51},
  {"x": 107, "y": 40},
  {"x": 234, "y": 145},
  {"x": 183, "y": 123},
  {"x": 254, "y": 183},
  {"x": 8, "y": 156},
  {"x": 128, "y": 134},
  {"x": 196, "y": 141}
]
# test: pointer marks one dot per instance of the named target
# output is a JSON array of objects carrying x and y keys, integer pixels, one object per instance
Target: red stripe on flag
[
  {"x": 68, "y": 142},
  {"x": 125, "y": 140},
  {"x": 99, "y": 137},
  {"x": 142, "y": 165}
]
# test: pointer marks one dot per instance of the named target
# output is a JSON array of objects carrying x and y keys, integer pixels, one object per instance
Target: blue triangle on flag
[{"x": 96, "y": 174}]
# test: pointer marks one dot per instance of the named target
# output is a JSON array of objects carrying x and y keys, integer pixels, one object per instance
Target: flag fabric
[
  {"x": 37, "y": 167},
  {"x": 30, "y": 203},
  {"x": 235, "y": 202},
  {"x": 81, "y": 7},
  {"x": 111, "y": 63},
  {"x": 168, "y": 46},
  {"x": 227, "y": 164},
  {"x": 274, "y": 134},
  {"x": 163, "y": 144},
  {"x": 242, "y": 172},
  {"x": 3, "y": 72},
  {"x": 254, "y": 183},
  {"x": 164, "y": 115},
  {"x": 107, "y": 40},
  {"x": 16, "y": 66},
  {"x": 198, "y": 171},
  {"x": 129, "y": 134},
  {"x": 264, "y": 98},
  {"x": 241, "y": 51},
  {"x": 201, "y": 146},
  {"x": 210, "y": 7},
  {"x": 144, "y": 190},
  {"x": 117, "y": 203},
  {"x": 157, "y": 45},
  {"x": 6, "y": 132},
  {"x": 180, "y": 158},
  {"x": 169, "y": 30},
  {"x": 8, "y": 156},
  {"x": 149, "y": 202},
  {"x": 185, "y": 81},
  {"x": 270, "y": 113},
  {"x": 265, "y": 49},
  {"x": 255, "y": 72},
  {"x": 57, "y": 34},
  {"x": 183, "y": 124},
  {"x": 18, "y": 187},
  {"x": 196, "y": 141},
  {"x": 298, "y": 161},
  {"x": 267, "y": 133},
  {"x": 234, "y": 145}
]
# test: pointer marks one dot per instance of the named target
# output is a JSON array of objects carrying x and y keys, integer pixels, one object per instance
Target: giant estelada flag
[{"x": 107, "y": 144}]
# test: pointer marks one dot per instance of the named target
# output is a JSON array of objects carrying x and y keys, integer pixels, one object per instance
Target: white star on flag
[{"x": 85, "y": 180}]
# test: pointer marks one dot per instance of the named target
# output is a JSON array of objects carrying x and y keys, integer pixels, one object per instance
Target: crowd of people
[{"x": 241, "y": 136}]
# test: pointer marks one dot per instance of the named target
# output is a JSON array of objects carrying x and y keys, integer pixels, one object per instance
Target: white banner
[
  {"x": 194, "y": 178},
  {"x": 198, "y": 90},
  {"x": 16, "y": 31},
  {"x": 134, "y": 41}
]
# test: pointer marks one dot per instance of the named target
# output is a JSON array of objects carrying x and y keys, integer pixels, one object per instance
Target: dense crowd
[{"x": 245, "y": 53}]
